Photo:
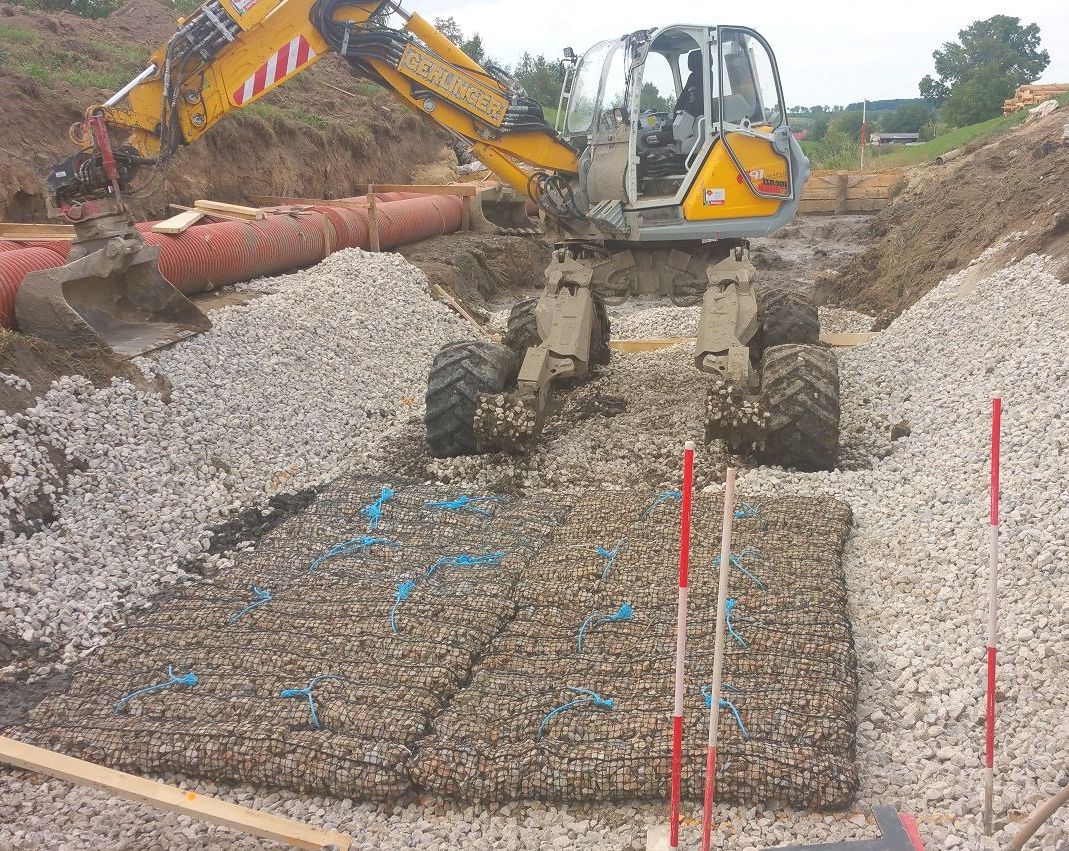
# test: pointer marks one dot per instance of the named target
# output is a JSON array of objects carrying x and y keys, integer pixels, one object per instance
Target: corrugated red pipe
[
  {"x": 207, "y": 256},
  {"x": 14, "y": 266}
]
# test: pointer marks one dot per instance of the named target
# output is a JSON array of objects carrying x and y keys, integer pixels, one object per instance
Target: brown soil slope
[
  {"x": 950, "y": 214},
  {"x": 303, "y": 139}
]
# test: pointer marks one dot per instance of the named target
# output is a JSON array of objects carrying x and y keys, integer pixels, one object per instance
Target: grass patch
[
  {"x": 837, "y": 151},
  {"x": 290, "y": 115},
  {"x": 15, "y": 35}
]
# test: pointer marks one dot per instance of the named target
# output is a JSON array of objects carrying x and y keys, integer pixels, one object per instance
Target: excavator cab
[{"x": 684, "y": 128}]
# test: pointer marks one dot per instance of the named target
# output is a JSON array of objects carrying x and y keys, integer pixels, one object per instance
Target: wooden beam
[
  {"x": 462, "y": 189},
  {"x": 170, "y": 798},
  {"x": 211, "y": 214},
  {"x": 229, "y": 209},
  {"x": 178, "y": 223},
  {"x": 444, "y": 295},
  {"x": 282, "y": 201},
  {"x": 19, "y": 232},
  {"x": 652, "y": 344}
]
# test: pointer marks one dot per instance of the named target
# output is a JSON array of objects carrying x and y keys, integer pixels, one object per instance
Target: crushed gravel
[
  {"x": 916, "y": 569},
  {"x": 135, "y": 482}
]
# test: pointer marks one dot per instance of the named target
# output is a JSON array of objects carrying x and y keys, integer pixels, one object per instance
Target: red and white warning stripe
[{"x": 287, "y": 59}]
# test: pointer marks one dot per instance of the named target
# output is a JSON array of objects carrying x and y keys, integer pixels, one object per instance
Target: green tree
[
  {"x": 994, "y": 55},
  {"x": 847, "y": 123},
  {"x": 651, "y": 98},
  {"x": 473, "y": 46},
  {"x": 540, "y": 78},
  {"x": 907, "y": 118}
]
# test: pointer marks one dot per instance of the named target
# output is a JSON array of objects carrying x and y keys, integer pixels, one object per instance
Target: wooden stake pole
[
  {"x": 992, "y": 619},
  {"x": 681, "y": 644},
  {"x": 718, "y": 657},
  {"x": 372, "y": 218}
]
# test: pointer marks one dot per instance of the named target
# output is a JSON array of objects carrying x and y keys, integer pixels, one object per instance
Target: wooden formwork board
[
  {"x": 847, "y": 192},
  {"x": 171, "y": 798}
]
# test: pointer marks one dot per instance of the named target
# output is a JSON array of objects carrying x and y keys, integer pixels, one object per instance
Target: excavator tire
[
  {"x": 599, "y": 342},
  {"x": 460, "y": 373},
  {"x": 522, "y": 330},
  {"x": 784, "y": 316},
  {"x": 800, "y": 389}
]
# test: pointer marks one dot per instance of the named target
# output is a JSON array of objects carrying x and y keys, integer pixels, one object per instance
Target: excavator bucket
[
  {"x": 502, "y": 210},
  {"x": 113, "y": 296}
]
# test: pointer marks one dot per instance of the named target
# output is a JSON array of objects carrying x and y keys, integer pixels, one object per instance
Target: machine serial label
[
  {"x": 713, "y": 197},
  {"x": 442, "y": 78}
]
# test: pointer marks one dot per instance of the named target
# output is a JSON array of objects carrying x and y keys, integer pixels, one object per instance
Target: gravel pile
[
  {"x": 842, "y": 320},
  {"x": 639, "y": 319},
  {"x": 280, "y": 395},
  {"x": 918, "y": 564},
  {"x": 916, "y": 571}
]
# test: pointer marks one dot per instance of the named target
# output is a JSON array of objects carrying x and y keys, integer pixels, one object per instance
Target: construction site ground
[{"x": 138, "y": 501}]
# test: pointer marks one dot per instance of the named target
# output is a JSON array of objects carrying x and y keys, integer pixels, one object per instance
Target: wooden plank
[
  {"x": 845, "y": 339},
  {"x": 839, "y": 340},
  {"x": 170, "y": 798},
  {"x": 827, "y": 193},
  {"x": 647, "y": 345},
  {"x": 178, "y": 223},
  {"x": 462, "y": 189},
  {"x": 229, "y": 209},
  {"x": 18, "y": 231},
  {"x": 211, "y": 214},
  {"x": 860, "y": 205},
  {"x": 281, "y": 201},
  {"x": 840, "y": 198},
  {"x": 444, "y": 295}
]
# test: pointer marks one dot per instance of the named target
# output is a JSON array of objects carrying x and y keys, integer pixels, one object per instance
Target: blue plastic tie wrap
[
  {"x": 611, "y": 556},
  {"x": 373, "y": 512},
  {"x": 262, "y": 596},
  {"x": 588, "y": 697},
  {"x": 736, "y": 562},
  {"x": 189, "y": 679},
  {"x": 466, "y": 503},
  {"x": 663, "y": 496},
  {"x": 307, "y": 692},
  {"x": 353, "y": 545},
  {"x": 624, "y": 613},
  {"x": 707, "y": 693},
  {"x": 465, "y": 560},
  {"x": 404, "y": 591}
]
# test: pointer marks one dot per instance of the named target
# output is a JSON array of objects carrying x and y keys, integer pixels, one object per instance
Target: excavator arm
[{"x": 230, "y": 53}]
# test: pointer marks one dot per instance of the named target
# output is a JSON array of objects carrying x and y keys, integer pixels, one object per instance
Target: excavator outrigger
[{"x": 643, "y": 193}]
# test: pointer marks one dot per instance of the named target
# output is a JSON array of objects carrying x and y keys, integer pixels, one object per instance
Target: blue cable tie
[
  {"x": 729, "y": 606},
  {"x": 307, "y": 692},
  {"x": 663, "y": 496},
  {"x": 593, "y": 698},
  {"x": 707, "y": 693},
  {"x": 373, "y": 512},
  {"x": 404, "y": 591},
  {"x": 736, "y": 561},
  {"x": 624, "y": 613},
  {"x": 746, "y": 511},
  {"x": 465, "y": 560},
  {"x": 262, "y": 596},
  {"x": 464, "y": 502},
  {"x": 189, "y": 679},
  {"x": 611, "y": 556},
  {"x": 353, "y": 545}
]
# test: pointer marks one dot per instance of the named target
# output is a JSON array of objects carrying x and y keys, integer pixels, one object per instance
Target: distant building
[{"x": 894, "y": 138}]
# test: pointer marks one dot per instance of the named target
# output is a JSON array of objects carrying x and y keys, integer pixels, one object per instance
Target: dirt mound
[
  {"x": 478, "y": 267},
  {"x": 949, "y": 214},
  {"x": 320, "y": 134}
]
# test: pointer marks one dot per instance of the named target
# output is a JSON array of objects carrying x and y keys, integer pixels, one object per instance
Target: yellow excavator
[{"x": 671, "y": 149}]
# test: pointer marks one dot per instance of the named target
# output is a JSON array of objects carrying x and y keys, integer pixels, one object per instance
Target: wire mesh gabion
[{"x": 402, "y": 636}]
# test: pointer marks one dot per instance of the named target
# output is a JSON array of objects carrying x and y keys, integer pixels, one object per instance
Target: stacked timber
[{"x": 1031, "y": 94}]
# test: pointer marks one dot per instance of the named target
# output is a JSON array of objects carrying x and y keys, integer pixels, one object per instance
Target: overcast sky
[{"x": 832, "y": 52}]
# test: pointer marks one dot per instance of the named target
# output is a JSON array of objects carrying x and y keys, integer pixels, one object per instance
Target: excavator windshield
[{"x": 586, "y": 93}]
